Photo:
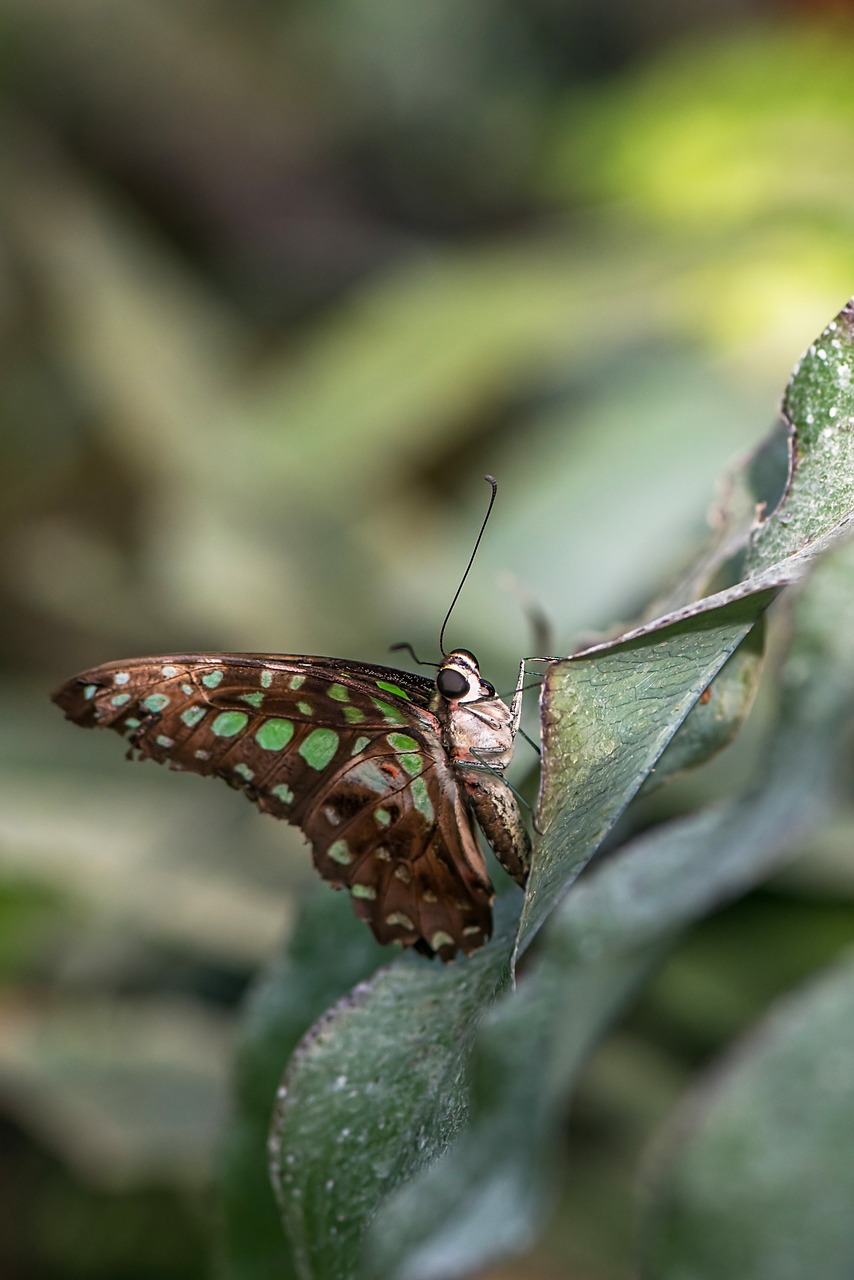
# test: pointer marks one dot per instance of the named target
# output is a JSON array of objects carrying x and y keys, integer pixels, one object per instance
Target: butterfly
[{"x": 382, "y": 770}]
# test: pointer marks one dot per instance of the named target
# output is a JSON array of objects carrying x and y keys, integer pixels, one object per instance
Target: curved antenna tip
[{"x": 494, "y": 483}]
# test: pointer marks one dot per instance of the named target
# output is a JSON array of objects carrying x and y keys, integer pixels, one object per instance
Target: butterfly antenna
[
  {"x": 492, "y": 481},
  {"x": 419, "y": 662}
]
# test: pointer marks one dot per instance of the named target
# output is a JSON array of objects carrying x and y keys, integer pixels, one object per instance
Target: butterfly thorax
[
  {"x": 478, "y": 729},
  {"x": 477, "y": 726}
]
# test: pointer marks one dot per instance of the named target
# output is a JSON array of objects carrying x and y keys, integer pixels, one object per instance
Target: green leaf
[
  {"x": 819, "y": 408},
  {"x": 488, "y": 1195},
  {"x": 610, "y": 711},
  {"x": 683, "y": 869},
  {"x": 376, "y": 1092},
  {"x": 757, "y": 1179},
  {"x": 306, "y": 979},
  {"x": 606, "y": 719},
  {"x": 757, "y": 484},
  {"x": 718, "y": 714}
]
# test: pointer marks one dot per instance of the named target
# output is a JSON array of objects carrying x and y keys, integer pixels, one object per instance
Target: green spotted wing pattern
[{"x": 349, "y": 753}]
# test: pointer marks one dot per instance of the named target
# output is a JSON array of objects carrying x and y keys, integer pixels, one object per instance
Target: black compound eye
[{"x": 451, "y": 683}]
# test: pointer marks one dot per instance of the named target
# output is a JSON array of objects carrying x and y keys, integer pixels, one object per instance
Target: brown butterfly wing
[{"x": 349, "y": 753}]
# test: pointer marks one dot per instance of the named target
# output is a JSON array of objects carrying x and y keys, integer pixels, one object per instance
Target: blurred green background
[{"x": 279, "y": 282}]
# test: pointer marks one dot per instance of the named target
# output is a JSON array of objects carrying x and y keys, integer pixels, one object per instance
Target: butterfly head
[{"x": 459, "y": 680}]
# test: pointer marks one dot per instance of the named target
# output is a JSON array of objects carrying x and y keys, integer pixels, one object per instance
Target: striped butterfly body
[{"x": 382, "y": 770}]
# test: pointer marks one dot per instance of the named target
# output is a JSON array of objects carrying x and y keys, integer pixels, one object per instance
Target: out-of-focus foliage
[
  {"x": 775, "y": 1113},
  {"x": 278, "y": 283}
]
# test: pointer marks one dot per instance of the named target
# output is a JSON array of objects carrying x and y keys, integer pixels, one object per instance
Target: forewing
[{"x": 349, "y": 753}]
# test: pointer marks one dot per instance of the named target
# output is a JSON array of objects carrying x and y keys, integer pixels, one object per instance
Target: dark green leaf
[
  {"x": 309, "y": 977},
  {"x": 487, "y": 1197},
  {"x": 606, "y": 719},
  {"x": 376, "y": 1092},
  {"x": 719, "y": 712},
  {"x": 757, "y": 1180}
]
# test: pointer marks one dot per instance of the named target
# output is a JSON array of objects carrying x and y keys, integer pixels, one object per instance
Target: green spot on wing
[
  {"x": 339, "y": 692},
  {"x": 421, "y": 799},
  {"x": 212, "y": 679},
  {"x": 353, "y": 715},
  {"x": 121, "y": 677},
  {"x": 229, "y": 723},
  {"x": 398, "y": 918},
  {"x": 132, "y": 722},
  {"x": 156, "y": 702},
  {"x": 382, "y": 816},
  {"x": 119, "y": 699},
  {"x": 319, "y": 748},
  {"x": 401, "y": 742},
  {"x": 297, "y": 682},
  {"x": 393, "y": 688},
  {"x": 266, "y": 679},
  {"x": 363, "y": 891},
  {"x": 163, "y": 741},
  {"x": 391, "y": 715},
  {"x": 306, "y": 708},
  {"x": 192, "y": 715},
  {"x": 412, "y": 764},
  {"x": 339, "y": 852},
  {"x": 274, "y": 735},
  {"x": 169, "y": 671},
  {"x": 283, "y": 792},
  {"x": 90, "y": 691},
  {"x": 254, "y": 699},
  {"x": 244, "y": 771},
  {"x": 359, "y": 745}
]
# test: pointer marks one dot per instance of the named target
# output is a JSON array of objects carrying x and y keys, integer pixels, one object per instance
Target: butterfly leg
[
  {"x": 516, "y": 704},
  {"x": 500, "y": 818}
]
